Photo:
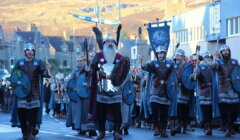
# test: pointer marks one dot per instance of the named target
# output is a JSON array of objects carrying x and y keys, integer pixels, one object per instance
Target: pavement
[{"x": 55, "y": 129}]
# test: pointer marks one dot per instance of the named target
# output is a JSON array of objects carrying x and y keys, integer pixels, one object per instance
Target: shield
[
  {"x": 71, "y": 90},
  {"x": 20, "y": 83},
  {"x": 172, "y": 89},
  {"x": 82, "y": 86},
  {"x": 128, "y": 93},
  {"x": 172, "y": 85},
  {"x": 236, "y": 79},
  {"x": 186, "y": 78},
  {"x": 120, "y": 71}
]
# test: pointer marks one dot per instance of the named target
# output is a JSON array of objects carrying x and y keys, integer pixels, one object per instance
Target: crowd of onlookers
[{"x": 6, "y": 95}]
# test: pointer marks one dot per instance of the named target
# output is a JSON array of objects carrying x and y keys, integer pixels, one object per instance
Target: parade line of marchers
[{"x": 105, "y": 93}]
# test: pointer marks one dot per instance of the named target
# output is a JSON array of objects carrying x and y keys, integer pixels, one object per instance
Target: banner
[{"x": 159, "y": 36}]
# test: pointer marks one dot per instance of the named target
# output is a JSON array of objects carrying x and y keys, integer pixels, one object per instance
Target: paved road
[{"x": 55, "y": 129}]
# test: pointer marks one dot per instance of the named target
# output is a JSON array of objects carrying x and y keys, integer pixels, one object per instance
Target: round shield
[
  {"x": 128, "y": 93},
  {"x": 82, "y": 86},
  {"x": 71, "y": 90},
  {"x": 120, "y": 71},
  {"x": 20, "y": 83},
  {"x": 172, "y": 85},
  {"x": 186, "y": 78},
  {"x": 236, "y": 79}
]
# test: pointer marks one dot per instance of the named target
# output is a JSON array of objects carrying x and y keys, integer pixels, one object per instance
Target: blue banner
[{"x": 159, "y": 36}]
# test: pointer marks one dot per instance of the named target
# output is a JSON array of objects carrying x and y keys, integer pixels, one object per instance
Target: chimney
[
  {"x": 140, "y": 33},
  {"x": 33, "y": 28},
  {"x": 132, "y": 36},
  {"x": 66, "y": 35}
]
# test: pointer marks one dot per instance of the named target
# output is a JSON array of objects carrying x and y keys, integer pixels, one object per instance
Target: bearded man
[
  {"x": 227, "y": 96},
  {"x": 107, "y": 97},
  {"x": 204, "y": 74},
  {"x": 184, "y": 94}
]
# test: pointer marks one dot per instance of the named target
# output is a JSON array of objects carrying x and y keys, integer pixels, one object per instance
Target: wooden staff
[
  {"x": 176, "y": 47},
  {"x": 197, "y": 52},
  {"x": 46, "y": 58},
  {"x": 214, "y": 58}
]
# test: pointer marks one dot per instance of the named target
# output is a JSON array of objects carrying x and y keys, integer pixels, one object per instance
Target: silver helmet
[
  {"x": 29, "y": 46},
  {"x": 109, "y": 38},
  {"x": 180, "y": 52},
  {"x": 207, "y": 53},
  {"x": 161, "y": 49},
  {"x": 224, "y": 47}
]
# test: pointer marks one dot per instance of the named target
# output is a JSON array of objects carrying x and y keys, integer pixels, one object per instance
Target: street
[{"x": 55, "y": 129}]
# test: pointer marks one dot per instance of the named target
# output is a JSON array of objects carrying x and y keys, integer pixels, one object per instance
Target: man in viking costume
[
  {"x": 79, "y": 108},
  {"x": 28, "y": 71},
  {"x": 128, "y": 94},
  {"x": 184, "y": 95},
  {"x": 159, "y": 99},
  {"x": 228, "y": 88},
  {"x": 204, "y": 74},
  {"x": 107, "y": 96},
  {"x": 59, "y": 88}
]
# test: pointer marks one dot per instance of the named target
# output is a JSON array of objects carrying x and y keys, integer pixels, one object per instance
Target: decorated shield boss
[
  {"x": 120, "y": 71},
  {"x": 71, "y": 90},
  {"x": 20, "y": 83},
  {"x": 186, "y": 78},
  {"x": 128, "y": 93}
]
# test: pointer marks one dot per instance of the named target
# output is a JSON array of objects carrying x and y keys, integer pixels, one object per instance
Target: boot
[
  {"x": 121, "y": 131},
  {"x": 172, "y": 128},
  {"x": 164, "y": 134},
  {"x": 125, "y": 131},
  {"x": 35, "y": 130},
  {"x": 92, "y": 133},
  {"x": 157, "y": 131},
  {"x": 163, "y": 131},
  {"x": 229, "y": 132},
  {"x": 117, "y": 136},
  {"x": 25, "y": 133},
  {"x": 184, "y": 130},
  {"x": 31, "y": 135},
  {"x": 173, "y": 132},
  {"x": 101, "y": 136},
  {"x": 209, "y": 129}
]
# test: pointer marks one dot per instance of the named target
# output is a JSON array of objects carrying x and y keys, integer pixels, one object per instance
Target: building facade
[{"x": 209, "y": 26}]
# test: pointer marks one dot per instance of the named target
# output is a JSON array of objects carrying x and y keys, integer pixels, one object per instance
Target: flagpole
[{"x": 97, "y": 14}]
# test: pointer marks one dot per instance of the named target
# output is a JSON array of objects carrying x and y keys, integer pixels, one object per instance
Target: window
[
  {"x": 181, "y": 36},
  {"x": 64, "y": 50},
  {"x": 134, "y": 51},
  {"x": 77, "y": 49},
  {"x": 64, "y": 63},
  {"x": 233, "y": 25}
]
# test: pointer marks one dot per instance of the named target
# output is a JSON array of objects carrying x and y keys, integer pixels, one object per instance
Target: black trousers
[
  {"x": 160, "y": 110},
  {"x": 207, "y": 113},
  {"x": 229, "y": 113},
  {"x": 102, "y": 110},
  {"x": 182, "y": 113},
  {"x": 28, "y": 117}
]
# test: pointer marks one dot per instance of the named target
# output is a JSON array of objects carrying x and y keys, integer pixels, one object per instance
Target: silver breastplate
[{"x": 106, "y": 83}]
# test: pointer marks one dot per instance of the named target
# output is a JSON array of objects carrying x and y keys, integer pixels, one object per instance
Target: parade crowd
[{"x": 171, "y": 96}]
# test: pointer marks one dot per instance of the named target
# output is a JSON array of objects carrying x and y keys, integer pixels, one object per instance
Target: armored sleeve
[
  {"x": 94, "y": 65},
  {"x": 149, "y": 67}
]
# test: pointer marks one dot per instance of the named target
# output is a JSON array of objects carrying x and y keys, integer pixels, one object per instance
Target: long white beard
[{"x": 109, "y": 53}]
